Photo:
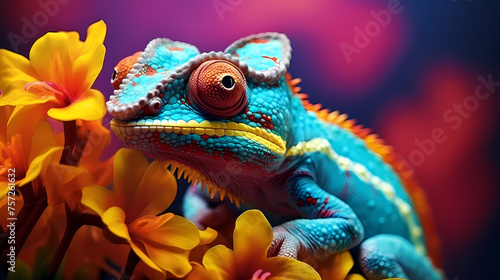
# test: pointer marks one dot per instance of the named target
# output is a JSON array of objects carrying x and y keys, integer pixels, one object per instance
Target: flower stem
[
  {"x": 30, "y": 223},
  {"x": 73, "y": 224},
  {"x": 132, "y": 261},
  {"x": 24, "y": 233},
  {"x": 70, "y": 135},
  {"x": 24, "y": 214},
  {"x": 92, "y": 220}
]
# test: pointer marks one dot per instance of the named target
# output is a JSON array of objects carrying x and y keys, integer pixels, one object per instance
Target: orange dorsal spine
[{"x": 377, "y": 145}]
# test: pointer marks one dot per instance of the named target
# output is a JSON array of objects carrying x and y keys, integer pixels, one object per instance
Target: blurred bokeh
[{"x": 422, "y": 75}]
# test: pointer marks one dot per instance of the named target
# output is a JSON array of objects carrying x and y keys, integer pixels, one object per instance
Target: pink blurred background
[{"x": 411, "y": 76}]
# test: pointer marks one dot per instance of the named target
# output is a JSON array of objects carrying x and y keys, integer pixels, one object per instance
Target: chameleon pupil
[
  {"x": 113, "y": 77},
  {"x": 228, "y": 82}
]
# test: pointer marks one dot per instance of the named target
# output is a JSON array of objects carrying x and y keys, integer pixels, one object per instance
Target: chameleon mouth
[
  {"x": 269, "y": 140},
  {"x": 196, "y": 177}
]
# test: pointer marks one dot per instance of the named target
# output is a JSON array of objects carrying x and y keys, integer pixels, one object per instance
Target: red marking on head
[
  {"x": 134, "y": 84},
  {"x": 275, "y": 59},
  {"x": 123, "y": 68},
  {"x": 264, "y": 120},
  {"x": 259, "y": 41},
  {"x": 347, "y": 174},
  {"x": 175, "y": 49},
  {"x": 150, "y": 71}
]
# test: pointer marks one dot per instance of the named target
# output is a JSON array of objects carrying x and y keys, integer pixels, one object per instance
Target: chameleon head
[{"x": 213, "y": 113}]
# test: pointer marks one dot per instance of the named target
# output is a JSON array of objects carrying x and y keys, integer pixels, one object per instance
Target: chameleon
[{"x": 236, "y": 126}]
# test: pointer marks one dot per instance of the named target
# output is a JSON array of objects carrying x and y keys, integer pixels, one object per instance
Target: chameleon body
[{"x": 235, "y": 123}]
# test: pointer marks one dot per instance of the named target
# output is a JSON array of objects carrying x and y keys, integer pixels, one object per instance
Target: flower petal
[
  {"x": 221, "y": 260},
  {"x": 282, "y": 268},
  {"x": 42, "y": 138},
  {"x": 24, "y": 121},
  {"x": 39, "y": 163},
  {"x": 207, "y": 236},
  {"x": 5, "y": 113},
  {"x": 252, "y": 236},
  {"x": 336, "y": 266},
  {"x": 15, "y": 94},
  {"x": 129, "y": 167},
  {"x": 64, "y": 183},
  {"x": 140, "y": 251},
  {"x": 199, "y": 272},
  {"x": 4, "y": 188},
  {"x": 157, "y": 190},
  {"x": 98, "y": 138},
  {"x": 174, "y": 232},
  {"x": 171, "y": 259},
  {"x": 87, "y": 67},
  {"x": 89, "y": 106},
  {"x": 50, "y": 59},
  {"x": 114, "y": 218},
  {"x": 14, "y": 67},
  {"x": 96, "y": 33},
  {"x": 97, "y": 198}
]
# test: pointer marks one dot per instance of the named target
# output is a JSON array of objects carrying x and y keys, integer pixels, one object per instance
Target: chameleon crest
[{"x": 234, "y": 122}]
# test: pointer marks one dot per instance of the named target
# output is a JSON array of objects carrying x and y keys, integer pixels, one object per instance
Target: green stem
[
  {"x": 70, "y": 135},
  {"x": 132, "y": 261},
  {"x": 73, "y": 224}
]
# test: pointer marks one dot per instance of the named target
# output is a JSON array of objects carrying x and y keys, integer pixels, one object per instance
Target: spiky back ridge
[{"x": 377, "y": 145}]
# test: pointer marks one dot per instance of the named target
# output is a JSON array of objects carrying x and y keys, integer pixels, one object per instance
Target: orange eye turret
[
  {"x": 123, "y": 68},
  {"x": 218, "y": 88}
]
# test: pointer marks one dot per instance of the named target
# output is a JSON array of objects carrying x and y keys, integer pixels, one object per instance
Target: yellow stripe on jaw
[
  {"x": 269, "y": 140},
  {"x": 344, "y": 163}
]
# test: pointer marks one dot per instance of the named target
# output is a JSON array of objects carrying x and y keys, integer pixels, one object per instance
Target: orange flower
[
  {"x": 64, "y": 183},
  {"x": 56, "y": 80},
  {"x": 24, "y": 154},
  {"x": 252, "y": 238},
  {"x": 141, "y": 191},
  {"x": 91, "y": 253}
]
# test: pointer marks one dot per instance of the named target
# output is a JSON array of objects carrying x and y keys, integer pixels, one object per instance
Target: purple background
[{"x": 401, "y": 82}]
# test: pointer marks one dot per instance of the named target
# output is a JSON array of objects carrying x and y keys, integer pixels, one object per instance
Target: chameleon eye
[
  {"x": 218, "y": 88},
  {"x": 123, "y": 68}
]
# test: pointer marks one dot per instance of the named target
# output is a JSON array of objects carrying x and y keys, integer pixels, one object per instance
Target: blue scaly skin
[{"x": 235, "y": 124}]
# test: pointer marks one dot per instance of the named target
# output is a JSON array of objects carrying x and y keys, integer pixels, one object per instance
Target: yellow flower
[
  {"x": 336, "y": 267},
  {"x": 57, "y": 78},
  {"x": 141, "y": 191},
  {"x": 252, "y": 238}
]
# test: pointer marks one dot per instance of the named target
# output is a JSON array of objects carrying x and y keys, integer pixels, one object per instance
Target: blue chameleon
[{"x": 235, "y": 124}]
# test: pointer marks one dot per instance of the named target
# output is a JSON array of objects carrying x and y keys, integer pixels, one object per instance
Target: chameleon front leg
[{"x": 330, "y": 225}]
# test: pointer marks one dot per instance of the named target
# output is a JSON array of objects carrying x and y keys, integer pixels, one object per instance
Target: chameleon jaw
[
  {"x": 133, "y": 129},
  {"x": 193, "y": 175}
]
